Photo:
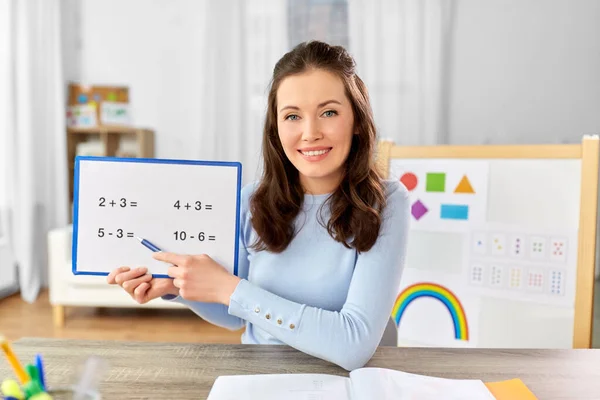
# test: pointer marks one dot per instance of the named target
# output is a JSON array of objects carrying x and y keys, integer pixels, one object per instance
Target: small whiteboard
[{"x": 180, "y": 206}]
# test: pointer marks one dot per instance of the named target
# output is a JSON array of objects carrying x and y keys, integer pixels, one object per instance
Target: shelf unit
[{"x": 110, "y": 137}]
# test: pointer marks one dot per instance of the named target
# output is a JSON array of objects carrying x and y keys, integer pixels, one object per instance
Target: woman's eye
[
  {"x": 329, "y": 113},
  {"x": 292, "y": 117}
]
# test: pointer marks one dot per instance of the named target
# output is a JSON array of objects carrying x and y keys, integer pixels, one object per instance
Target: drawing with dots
[
  {"x": 496, "y": 275},
  {"x": 520, "y": 263},
  {"x": 476, "y": 276},
  {"x": 557, "y": 282},
  {"x": 180, "y": 206},
  {"x": 515, "y": 278}
]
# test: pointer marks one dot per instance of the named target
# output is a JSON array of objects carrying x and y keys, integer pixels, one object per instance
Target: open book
[{"x": 362, "y": 384}]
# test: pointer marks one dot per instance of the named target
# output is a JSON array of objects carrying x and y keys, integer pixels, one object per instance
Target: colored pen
[
  {"x": 148, "y": 244},
  {"x": 14, "y": 362},
  {"x": 40, "y": 367}
]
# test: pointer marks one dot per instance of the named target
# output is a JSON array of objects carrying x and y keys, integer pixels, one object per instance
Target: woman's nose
[{"x": 311, "y": 131}]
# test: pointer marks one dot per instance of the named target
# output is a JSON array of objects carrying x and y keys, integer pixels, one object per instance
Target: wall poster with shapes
[
  {"x": 446, "y": 195},
  {"x": 434, "y": 309},
  {"x": 518, "y": 263}
]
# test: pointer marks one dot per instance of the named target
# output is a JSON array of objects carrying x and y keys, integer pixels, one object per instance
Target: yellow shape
[
  {"x": 11, "y": 388},
  {"x": 464, "y": 186},
  {"x": 513, "y": 389}
]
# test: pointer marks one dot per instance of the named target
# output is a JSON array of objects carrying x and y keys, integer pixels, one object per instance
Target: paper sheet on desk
[
  {"x": 363, "y": 384},
  {"x": 386, "y": 384},
  {"x": 281, "y": 387}
]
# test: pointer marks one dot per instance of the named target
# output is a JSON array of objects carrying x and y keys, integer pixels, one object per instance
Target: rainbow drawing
[{"x": 439, "y": 292}]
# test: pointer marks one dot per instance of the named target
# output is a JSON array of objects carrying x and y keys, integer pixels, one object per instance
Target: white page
[
  {"x": 386, "y": 384},
  {"x": 145, "y": 195},
  {"x": 281, "y": 387}
]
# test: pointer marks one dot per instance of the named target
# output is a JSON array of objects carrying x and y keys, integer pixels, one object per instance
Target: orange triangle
[{"x": 464, "y": 186}]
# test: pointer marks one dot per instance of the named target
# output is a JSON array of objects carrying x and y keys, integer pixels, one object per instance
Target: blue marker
[
  {"x": 148, "y": 244},
  {"x": 40, "y": 367}
]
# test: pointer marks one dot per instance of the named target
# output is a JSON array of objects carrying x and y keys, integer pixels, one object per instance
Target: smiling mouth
[{"x": 312, "y": 153}]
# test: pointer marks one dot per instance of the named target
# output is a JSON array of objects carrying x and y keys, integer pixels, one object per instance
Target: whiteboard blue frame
[{"x": 232, "y": 164}]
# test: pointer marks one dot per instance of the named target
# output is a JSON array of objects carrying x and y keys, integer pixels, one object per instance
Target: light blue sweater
[{"x": 317, "y": 296}]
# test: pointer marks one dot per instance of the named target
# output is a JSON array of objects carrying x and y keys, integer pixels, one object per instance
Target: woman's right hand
[{"x": 142, "y": 287}]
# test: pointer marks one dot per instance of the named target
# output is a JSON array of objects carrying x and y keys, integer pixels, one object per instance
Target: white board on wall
[
  {"x": 180, "y": 206},
  {"x": 512, "y": 271}
]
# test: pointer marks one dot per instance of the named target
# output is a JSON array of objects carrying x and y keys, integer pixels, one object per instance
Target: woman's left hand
[{"x": 199, "y": 277}]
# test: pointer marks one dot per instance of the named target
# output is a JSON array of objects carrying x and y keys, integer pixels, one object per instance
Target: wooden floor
[{"x": 21, "y": 319}]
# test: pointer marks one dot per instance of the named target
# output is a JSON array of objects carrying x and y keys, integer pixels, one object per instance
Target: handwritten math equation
[
  {"x": 182, "y": 235},
  {"x": 178, "y": 204},
  {"x": 196, "y": 205},
  {"x": 119, "y": 233},
  {"x": 123, "y": 202},
  {"x": 179, "y": 235}
]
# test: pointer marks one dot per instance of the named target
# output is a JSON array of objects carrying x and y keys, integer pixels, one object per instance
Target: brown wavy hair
[{"x": 356, "y": 205}]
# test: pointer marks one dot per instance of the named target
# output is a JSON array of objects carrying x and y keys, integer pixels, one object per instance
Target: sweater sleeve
[
  {"x": 348, "y": 337},
  {"x": 217, "y": 313}
]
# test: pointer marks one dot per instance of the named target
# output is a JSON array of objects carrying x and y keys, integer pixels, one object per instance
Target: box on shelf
[
  {"x": 96, "y": 105},
  {"x": 82, "y": 116},
  {"x": 92, "y": 147}
]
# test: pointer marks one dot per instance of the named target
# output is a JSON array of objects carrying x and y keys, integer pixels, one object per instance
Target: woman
[{"x": 322, "y": 236}]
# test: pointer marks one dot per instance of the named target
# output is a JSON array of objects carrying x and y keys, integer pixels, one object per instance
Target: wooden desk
[{"x": 187, "y": 371}]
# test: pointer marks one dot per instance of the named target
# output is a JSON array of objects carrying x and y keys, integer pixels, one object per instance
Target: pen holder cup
[{"x": 68, "y": 393}]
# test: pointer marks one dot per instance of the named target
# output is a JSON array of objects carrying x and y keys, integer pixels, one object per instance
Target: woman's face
[{"x": 315, "y": 124}]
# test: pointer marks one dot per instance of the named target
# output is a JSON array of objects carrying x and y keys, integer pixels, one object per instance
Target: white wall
[
  {"x": 524, "y": 71},
  {"x": 521, "y": 71},
  {"x": 152, "y": 46}
]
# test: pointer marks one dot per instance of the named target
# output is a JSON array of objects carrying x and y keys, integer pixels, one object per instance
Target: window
[{"x": 325, "y": 20}]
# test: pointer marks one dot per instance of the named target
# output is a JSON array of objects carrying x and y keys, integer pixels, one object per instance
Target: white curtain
[
  {"x": 33, "y": 187},
  {"x": 243, "y": 39},
  {"x": 401, "y": 48},
  {"x": 8, "y": 283}
]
